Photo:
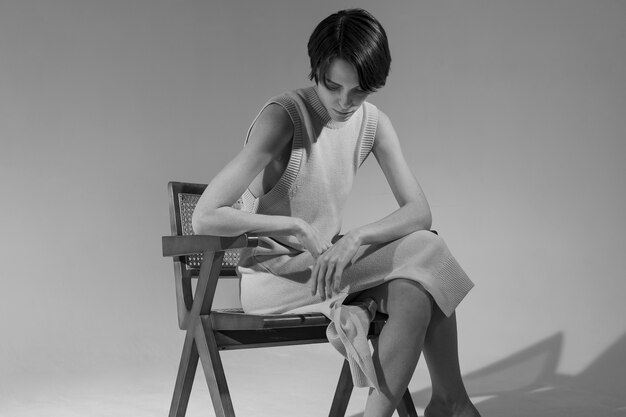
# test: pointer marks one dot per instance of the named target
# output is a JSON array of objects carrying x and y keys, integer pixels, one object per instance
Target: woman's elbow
[
  {"x": 424, "y": 218},
  {"x": 427, "y": 220},
  {"x": 200, "y": 220}
]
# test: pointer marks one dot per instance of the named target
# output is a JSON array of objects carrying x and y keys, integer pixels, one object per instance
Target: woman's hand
[
  {"x": 311, "y": 238},
  {"x": 329, "y": 267}
]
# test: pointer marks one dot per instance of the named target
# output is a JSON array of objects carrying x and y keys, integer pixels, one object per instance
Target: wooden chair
[{"x": 207, "y": 258}]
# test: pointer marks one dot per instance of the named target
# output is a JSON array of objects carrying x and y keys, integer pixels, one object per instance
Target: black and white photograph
[{"x": 265, "y": 208}]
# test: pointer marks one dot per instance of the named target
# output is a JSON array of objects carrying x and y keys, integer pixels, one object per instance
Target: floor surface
[{"x": 300, "y": 381}]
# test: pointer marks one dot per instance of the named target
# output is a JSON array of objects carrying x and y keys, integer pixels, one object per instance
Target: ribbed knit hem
[
  {"x": 311, "y": 96},
  {"x": 453, "y": 286},
  {"x": 368, "y": 133}
]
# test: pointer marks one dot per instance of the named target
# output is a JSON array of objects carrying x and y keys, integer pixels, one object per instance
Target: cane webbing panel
[{"x": 187, "y": 203}]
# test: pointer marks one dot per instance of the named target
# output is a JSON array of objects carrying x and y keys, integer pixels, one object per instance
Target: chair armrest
[{"x": 190, "y": 244}]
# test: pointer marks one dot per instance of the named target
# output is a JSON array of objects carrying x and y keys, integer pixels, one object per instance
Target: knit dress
[{"x": 275, "y": 276}]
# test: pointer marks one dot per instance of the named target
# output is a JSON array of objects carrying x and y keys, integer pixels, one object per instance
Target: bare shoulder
[
  {"x": 386, "y": 136},
  {"x": 268, "y": 137},
  {"x": 272, "y": 129},
  {"x": 383, "y": 119}
]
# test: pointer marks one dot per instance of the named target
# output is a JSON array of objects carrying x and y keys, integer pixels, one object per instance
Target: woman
[{"x": 293, "y": 177}]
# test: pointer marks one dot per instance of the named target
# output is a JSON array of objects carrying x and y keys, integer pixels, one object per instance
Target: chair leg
[
  {"x": 184, "y": 379},
  {"x": 406, "y": 408},
  {"x": 213, "y": 371},
  {"x": 342, "y": 393}
]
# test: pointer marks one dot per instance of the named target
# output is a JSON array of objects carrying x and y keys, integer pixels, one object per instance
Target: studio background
[{"x": 512, "y": 115}]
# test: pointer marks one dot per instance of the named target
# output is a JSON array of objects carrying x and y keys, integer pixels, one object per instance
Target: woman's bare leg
[
  {"x": 400, "y": 343},
  {"x": 449, "y": 397},
  {"x": 415, "y": 322}
]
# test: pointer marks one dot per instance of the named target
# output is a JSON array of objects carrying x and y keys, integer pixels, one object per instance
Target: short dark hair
[{"x": 356, "y": 36}]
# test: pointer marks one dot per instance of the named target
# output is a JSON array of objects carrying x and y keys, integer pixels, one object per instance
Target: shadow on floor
[{"x": 526, "y": 384}]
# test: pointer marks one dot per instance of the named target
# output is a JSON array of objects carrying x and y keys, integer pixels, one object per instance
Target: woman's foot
[{"x": 451, "y": 409}]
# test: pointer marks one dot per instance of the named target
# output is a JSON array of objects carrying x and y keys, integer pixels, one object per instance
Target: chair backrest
[{"x": 183, "y": 198}]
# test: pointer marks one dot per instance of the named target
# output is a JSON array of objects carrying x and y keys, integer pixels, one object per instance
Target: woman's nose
[{"x": 345, "y": 101}]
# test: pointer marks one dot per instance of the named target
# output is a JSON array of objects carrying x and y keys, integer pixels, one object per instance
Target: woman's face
[{"x": 339, "y": 92}]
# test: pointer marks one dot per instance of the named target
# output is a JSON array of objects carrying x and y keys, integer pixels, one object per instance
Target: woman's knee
[{"x": 407, "y": 298}]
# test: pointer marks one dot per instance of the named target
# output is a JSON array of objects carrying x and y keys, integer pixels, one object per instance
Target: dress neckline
[{"x": 320, "y": 110}]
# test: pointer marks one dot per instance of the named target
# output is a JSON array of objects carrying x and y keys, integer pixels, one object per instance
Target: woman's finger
[
  {"x": 321, "y": 277},
  {"x": 337, "y": 276},
  {"x": 328, "y": 280},
  {"x": 314, "y": 274},
  {"x": 315, "y": 251}
]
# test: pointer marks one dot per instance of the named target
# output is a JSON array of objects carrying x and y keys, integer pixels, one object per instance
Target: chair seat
[
  {"x": 236, "y": 319},
  {"x": 235, "y": 329}
]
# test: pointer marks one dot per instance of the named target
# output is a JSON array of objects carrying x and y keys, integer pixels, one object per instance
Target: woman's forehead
[{"x": 342, "y": 72}]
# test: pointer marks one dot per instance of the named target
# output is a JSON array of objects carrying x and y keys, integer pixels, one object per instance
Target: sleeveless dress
[{"x": 275, "y": 276}]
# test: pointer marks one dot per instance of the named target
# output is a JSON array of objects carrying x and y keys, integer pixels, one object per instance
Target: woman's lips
[{"x": 343, "y": 114}]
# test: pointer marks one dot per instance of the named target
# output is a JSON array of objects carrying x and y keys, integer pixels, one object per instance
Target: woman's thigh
[{"x": 397, "y": 297}]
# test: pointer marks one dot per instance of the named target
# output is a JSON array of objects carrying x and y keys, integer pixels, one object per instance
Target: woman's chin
[{"x": 340, "y": 117}]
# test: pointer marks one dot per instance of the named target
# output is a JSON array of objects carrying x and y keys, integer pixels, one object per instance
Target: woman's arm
[
  {"x": 412, "y": 215},
  {"x": 213, "y": 215},
  {"x": 414, "y": 212}
]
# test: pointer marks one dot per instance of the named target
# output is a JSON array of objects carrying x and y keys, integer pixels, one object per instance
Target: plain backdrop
[{"x": 512, "y": 115}]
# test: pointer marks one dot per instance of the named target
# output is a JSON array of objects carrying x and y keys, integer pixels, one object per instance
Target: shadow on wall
[{"x": 526, "y": 384}]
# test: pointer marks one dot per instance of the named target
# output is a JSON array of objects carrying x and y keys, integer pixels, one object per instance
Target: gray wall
[{"x": 511, "y": 113}]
